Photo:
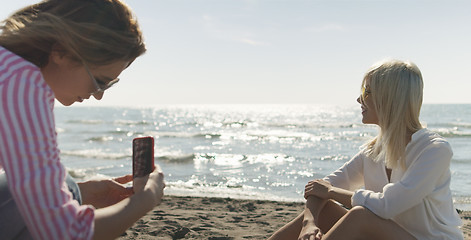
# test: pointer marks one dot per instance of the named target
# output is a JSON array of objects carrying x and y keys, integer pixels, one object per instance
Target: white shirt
[{"x": 418, "y": 198}]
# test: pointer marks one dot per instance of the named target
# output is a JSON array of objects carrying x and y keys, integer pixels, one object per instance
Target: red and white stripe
[{"x": 30, "y": 157}]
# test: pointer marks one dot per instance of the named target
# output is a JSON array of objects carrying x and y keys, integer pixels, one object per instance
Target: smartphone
[{"x": 142, "y": 156}]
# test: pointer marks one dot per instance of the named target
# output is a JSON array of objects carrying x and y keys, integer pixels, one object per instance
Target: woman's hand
[
  {"x": 319, "y": 188},
  {"x": 112, "y": 221},
  {"x": 310, "y": 232},
  {"x": 106, "y": 192},
  {"x": 154, "y": 183}
]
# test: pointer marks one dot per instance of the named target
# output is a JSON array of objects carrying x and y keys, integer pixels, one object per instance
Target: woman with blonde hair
[
  {"x": 66, "y": 50},
  {"x": 398, "y": 185}
]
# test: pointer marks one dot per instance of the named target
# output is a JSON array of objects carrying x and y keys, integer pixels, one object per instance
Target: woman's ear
[{"x": 58, "y": 55}]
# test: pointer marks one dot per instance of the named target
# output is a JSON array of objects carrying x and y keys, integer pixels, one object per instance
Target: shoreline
[{"x": 190, "y": 217}]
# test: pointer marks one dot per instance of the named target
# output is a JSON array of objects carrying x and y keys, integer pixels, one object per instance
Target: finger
[
  {"x": 313, "y": 182},
  {"x": 157, "y": 168},
  {"x": 318, "y": 181},
  {"x": 124, "y": 179},
  {"x": 324, "y": 182},
  {"x": 139, "y": 183},
  {"x": 128, "y": 191},
  {"x": 307, "y": 194}
]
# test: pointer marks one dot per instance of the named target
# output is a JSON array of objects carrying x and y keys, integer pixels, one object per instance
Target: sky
[{"x": 288, "y": 51}]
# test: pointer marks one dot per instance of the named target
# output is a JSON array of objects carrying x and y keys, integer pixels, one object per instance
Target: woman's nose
[{"x": 98, "y": 95}]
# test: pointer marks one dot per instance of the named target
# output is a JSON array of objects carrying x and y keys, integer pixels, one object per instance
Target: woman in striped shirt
[{"x": 67, "y": 50}]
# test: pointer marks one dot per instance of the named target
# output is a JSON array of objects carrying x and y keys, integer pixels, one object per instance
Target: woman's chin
[
  {"x": 65, "y": 102},
  {"x": 365, "y": 121}
]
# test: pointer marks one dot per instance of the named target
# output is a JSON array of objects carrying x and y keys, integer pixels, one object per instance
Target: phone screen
[{"x": 142, "y": 156}]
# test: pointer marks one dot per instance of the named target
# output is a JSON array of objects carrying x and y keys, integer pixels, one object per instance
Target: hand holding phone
[{"x": 142, "y": 156}]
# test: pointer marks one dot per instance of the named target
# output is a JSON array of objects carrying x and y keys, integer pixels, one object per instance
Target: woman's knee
[
  {"x": 359, "y": 210},
  {"x": 360, "y": 215},
  {"x": 364, "y": 224}
]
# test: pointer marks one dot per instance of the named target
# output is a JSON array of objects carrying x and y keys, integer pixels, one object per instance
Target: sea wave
[
  {"x": 452, "y": 124},
  {"x": 95, "y": 154},
  {"x": 243, "y": 192},
  {"x": 133, "y": 122},
  {"x": 240, "y": 159},
  {"x": 123, "y": 132},
  {"x": 85, "y": 121},
  {"x": 267, "y": 134},
  {"x": 312, "y": 125},
  {"x": 187, "y": 135},
  {"x": 185, "y": 158},
  {"x": 101, "y": 139},
  {"x": 452, "y": 132}
]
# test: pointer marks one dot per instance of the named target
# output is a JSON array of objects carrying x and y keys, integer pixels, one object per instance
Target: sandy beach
[{"x": 222, "y": 218}]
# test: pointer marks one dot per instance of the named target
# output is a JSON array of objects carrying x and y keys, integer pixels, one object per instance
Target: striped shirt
[{"x": 30, "y": 157}]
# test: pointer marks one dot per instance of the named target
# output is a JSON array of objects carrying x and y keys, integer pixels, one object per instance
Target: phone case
[{"x": 142, "y": 156}]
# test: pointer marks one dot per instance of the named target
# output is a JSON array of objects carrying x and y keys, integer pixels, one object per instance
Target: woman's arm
[
  {"x": 324, "y": 190},
  {"x": 342, "y": 196},
  {"x": 30, "y": 156},
  {"x": 105, "y": 192},
  {"x": 350, "y": 175},
  {"x": 112, "y": 221}
]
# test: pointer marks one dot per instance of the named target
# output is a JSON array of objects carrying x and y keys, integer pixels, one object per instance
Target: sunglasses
[
  {"x": 100, "y": 86},
  {"x": 365, "y": 92}
]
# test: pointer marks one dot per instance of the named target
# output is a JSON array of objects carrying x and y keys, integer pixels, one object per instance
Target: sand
[{"x": 222, "y": 218}]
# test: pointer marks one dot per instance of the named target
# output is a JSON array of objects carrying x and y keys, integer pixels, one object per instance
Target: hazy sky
[{"x": 290, "y": 51}]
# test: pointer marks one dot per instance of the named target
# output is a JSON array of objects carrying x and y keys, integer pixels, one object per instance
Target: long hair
[
  {"x": 97, "y": 32},
  {"x": 397, "y": 91}
]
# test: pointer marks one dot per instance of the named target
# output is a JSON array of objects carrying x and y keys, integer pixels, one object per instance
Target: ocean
[{"x": 264, "y": 152}]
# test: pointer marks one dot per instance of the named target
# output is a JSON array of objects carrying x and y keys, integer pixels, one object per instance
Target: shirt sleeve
[
  {"x": 350, "y": 175},
  {"x": 30, "y": 158},
  {"x": 419, "y": 181}
]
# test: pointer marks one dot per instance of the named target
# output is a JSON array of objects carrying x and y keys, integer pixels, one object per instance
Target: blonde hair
[
  {"x": 397, "y": 91},
  {"x": 97, "y": 32}
]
